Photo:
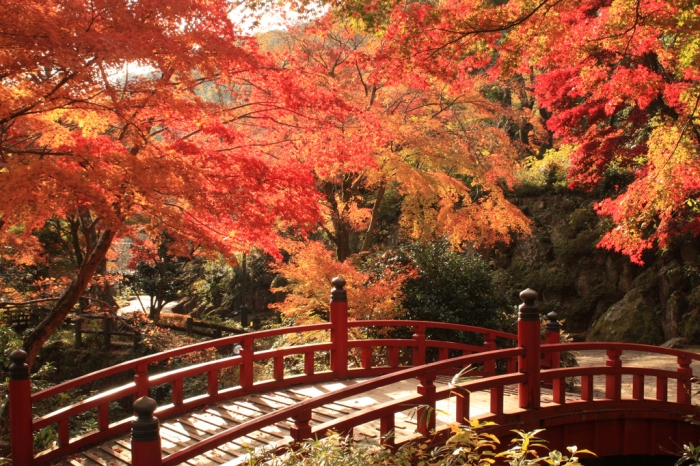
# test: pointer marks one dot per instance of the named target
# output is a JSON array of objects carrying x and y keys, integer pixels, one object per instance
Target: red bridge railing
[
  {"x": 529, "y": 365},
  {"x": 238, "y": 352}
]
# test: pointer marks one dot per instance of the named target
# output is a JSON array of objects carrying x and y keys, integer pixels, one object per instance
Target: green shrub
[{"x": 453, "y": 287}]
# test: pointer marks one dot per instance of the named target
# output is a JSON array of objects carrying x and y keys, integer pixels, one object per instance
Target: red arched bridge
[{"x": 599, "y": 415}]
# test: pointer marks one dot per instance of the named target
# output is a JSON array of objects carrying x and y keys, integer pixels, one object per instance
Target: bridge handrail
[
  {"x": 234, "y": 339},
  {"x": 144, "y": 381},
  {"x": 429, "y": 324},
  {"x": 316, "y": 402},
  {"x": 604, "y": 345},
  {"x": 205, "y": 345}
]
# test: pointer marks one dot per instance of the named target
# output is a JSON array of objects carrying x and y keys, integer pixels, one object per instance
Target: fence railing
[{"x": 328, "y": 342}]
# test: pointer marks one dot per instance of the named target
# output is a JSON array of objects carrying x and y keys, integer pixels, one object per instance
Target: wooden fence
[{"x": 112, "y": 326}]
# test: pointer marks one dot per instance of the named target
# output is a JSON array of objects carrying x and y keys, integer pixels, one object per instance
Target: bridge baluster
[
  {"x": 587, "y": 387},
  {"x": 103, "y": 417},
  {"x": 613, "y": 382},
  {"x": 309, "y": 363},
  {"x": 386, "y": 430},
  {"x": 685, "y": 373},
  {"x": 20, "y": 410},
  {"x": 559, "y": 390},
  {"x": 462, "y": 405},
  {"x": 638, "y": 387},
  {"x": 496, "y": 405},
  {"x": 419, "y": 349},
  {"x": 512, "y": 365},
  {"x": 213, "y": 382},
  {"x": 529, "y": 339},
  {"x": 367, "y": 357},
  {"x": 661, "y": 389},
  {"x": 145, "y": 434},
  {"x": 178, "y": 396},
  {"x": 278, "y": 368},
  {"x": 444, "y": 353},
  {"x": 489, "y": 345},
  {"x": 393, "y": 356},
  {"x": 63, "y": 433},
  {"x": 339, "y": 333}
]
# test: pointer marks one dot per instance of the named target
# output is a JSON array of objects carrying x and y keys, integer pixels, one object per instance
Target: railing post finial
[
  {"x": 145, "y": 434},
  {"x": 20, "y": 410},
  {"x": 338, "y": 294},
  {"x": 19, "y": 370},
  {"x": 528, "y": 310},
  {"x": 553, "y": 323}
]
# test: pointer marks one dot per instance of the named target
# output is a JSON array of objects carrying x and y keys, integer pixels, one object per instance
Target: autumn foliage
[
  {"x": 616, "y": 79},
  {"x": 310, "y": 272},
  {"x": 163, "y": 118}
]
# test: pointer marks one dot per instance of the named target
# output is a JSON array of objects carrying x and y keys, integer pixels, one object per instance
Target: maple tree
[
  {"x": 200, "y": 148},
  {"x": 447, "y": 154},
  {"x": 615, "y": 79}
]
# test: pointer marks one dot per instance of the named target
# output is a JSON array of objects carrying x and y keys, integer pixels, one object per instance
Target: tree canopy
[{"x": 229, "y": 141}]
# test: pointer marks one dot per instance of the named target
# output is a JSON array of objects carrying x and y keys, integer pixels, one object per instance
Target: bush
[
  {"x": 453, "y": 287},
  {"x": 467, "y": 447}
]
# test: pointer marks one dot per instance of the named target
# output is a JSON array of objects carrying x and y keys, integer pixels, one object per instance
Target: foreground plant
[{"x": 467, "y": 446}]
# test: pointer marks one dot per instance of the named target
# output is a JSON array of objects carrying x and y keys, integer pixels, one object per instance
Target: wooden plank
[
  {"x": 240, "y": 441},
  {"x": 96, "y": 459},
  {"x": 318, "y": 412},
  {"x": 270, "y": 430},
  {"x": 117, "y": 454}
]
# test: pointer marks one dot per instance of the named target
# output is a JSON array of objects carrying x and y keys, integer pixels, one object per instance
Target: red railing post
[
  {"x": 20, "y": 410},
  {"x": 301, "y": 429},
  {"x": 141, "y": 380},
  {"x": 552, "y": 337},
  {"x": 613, "y": 382},
  {"x": 685, "y": 373},
  {"x": 529, "y": 340},
  {"x": 339, "y": 332},
  {"x": 145, "y": 434},
  {"x": 425, "y": 415}
]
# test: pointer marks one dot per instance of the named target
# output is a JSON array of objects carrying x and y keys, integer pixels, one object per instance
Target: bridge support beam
[
  {"x": 145, "y": 434},
  {"x": 529, "y": 339},
  {"x": 20, "y": 410}
]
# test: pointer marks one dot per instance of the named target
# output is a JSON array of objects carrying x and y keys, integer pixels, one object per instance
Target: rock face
[
  {"x": 601, "y": 295},
  {"x": 631, "y": 320}
]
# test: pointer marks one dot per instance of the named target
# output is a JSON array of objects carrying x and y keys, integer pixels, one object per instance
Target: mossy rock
[
  {"x": 631, "y": 320},
  {"x": 689, "y": 327}
]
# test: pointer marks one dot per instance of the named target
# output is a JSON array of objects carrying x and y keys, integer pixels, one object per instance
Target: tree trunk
[
  {"x": 375, "y": 215},
  {"x": 36, "y": 339},
  {"x": 342, "y": 244}
]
